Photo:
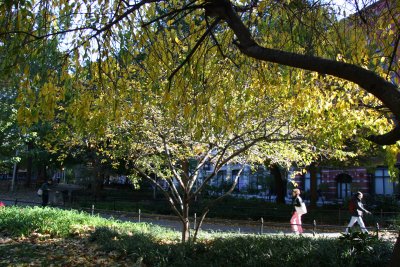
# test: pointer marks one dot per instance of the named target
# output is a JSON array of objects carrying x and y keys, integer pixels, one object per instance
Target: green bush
[
  {"x": 157, "y": 246},
  {"x": 383, "y": 203},
  {"x": 362, "y": 248},
  {"x": 247, "y": 251}
]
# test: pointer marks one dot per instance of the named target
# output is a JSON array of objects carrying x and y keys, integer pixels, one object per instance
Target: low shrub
[
  {"x": 157, "y": 246},
  {"x": 246, "y": 250}
]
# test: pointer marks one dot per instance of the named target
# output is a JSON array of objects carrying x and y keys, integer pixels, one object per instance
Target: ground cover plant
[{"x": 39, "y": 236}]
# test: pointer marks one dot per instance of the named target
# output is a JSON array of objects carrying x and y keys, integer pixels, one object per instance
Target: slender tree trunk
[
  {"x": 199, "y": 223},
  {"x": 29, "y": 163},
  {"x": 15, "y": 174},
  {"x": 313, "y": 185},
  {"x": 186, "y": 222}
]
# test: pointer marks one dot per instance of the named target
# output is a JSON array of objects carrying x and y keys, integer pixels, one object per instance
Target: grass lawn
[{"x": 41, "y": 237}]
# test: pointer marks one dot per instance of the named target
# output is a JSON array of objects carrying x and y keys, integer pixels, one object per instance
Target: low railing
[{"x": 260, "y": 226}]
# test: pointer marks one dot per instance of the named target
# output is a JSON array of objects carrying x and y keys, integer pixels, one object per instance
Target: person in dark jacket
[
  {"x": 295, "y": 221},
  {"x": 45, "y": 192},
  {"x": 357, "y": 213}
]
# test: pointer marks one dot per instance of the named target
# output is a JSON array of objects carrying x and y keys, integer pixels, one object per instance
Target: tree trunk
[
  {"x": 97, "y": 184},
  {"x": 185, "y": 222},
  {"x": 42, "y": 174},
  {"x": 29, "y": 164},
  {"x": 199, "y": 223},
  {"x": 395, "y": 260},
  {"x": 313, "y": 185},
  {"x": 279, "y": 184},
  {"x": 14, "y": 180}
]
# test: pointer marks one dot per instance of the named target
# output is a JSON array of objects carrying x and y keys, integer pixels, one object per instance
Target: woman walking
[{"x": 295, "y": 221}]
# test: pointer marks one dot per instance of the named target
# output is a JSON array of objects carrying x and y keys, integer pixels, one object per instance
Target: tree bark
[
  {"x": 313, "y": 185},
  {"x": 29, "y": 164},
  {"x": 185, "y": 222},
  {"x": 42, "y": 174},
  {"x": 279, "y": 184}
]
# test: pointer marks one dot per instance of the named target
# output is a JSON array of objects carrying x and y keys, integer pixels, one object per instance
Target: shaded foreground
[{"x": 38, "y": 237}]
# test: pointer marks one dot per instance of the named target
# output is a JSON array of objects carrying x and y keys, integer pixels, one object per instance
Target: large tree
[
  {"x": 164, "y": 47},
  {"x": 250, "y": 28},
  {"x": 154, "y": 129}
]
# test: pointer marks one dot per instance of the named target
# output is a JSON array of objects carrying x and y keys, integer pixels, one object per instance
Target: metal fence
[{"x": 259, "y": 226}]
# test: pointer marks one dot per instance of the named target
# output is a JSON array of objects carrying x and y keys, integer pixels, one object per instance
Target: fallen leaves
[{"x": 40, "y": 250}]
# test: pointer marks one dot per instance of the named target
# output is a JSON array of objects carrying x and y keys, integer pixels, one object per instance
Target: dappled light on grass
[
  {"x": 40, "y": 237},
  {"x": 39, "y": 251},
  {"x": 65, "y": 223}
]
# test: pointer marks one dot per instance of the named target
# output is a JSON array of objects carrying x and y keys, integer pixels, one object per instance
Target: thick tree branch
[{"x": 385, "y": 91}]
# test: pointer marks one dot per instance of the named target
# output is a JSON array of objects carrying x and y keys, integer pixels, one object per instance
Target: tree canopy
[
  {"x": 300, "y": 34},
  {"x": 152, "y": 83}
]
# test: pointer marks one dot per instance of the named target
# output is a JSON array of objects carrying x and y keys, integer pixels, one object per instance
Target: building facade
[{"x": 340, "y": 184}]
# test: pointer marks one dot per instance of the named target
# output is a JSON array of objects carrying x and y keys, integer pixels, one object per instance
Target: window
[
  {"x": 221, "y": 177},
  {"x": 307, "y": 181},
  {"x": 383, "y": 185},
  {"x": 343, "y": 186}
]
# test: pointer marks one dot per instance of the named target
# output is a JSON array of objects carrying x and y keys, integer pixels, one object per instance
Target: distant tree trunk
[
  {"x": 394, "y": 261},
  {"x": 313, "y": 185},
  {"x": 279, "y": 184},
  {"x": 97, "y": 183},
  {"x": 29, "y": 164},
  {"x": 28, "y": 180},
  {"x": 98, "y": 175},
  {"x": 15, "y": 176},
  {"x": 42, "y": 174}
]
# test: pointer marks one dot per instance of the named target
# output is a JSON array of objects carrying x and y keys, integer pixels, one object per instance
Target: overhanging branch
[{"x": 385, "y": 91}]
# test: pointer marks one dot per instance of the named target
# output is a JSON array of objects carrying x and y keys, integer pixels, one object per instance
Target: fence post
[
  {"x": 92, "y": 209},
  {"x": 262, "y": 226},
  {"x": 139, "y": 215},
  {"x": 340, "y": 217},
  {"x": 195, "y": 221},
  {"x": 16, "y": 202},
  {"x": 377, "y": 230},
  {"x": 314, "y": 227}
]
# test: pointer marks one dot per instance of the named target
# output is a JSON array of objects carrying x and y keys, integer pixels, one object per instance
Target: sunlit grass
[
  {"x": 157, "y": 246},
  {"x": 56, "y": 222}
]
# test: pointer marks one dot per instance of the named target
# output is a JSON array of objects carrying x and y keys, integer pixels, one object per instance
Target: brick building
[{"x": 340, "y": 183}]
